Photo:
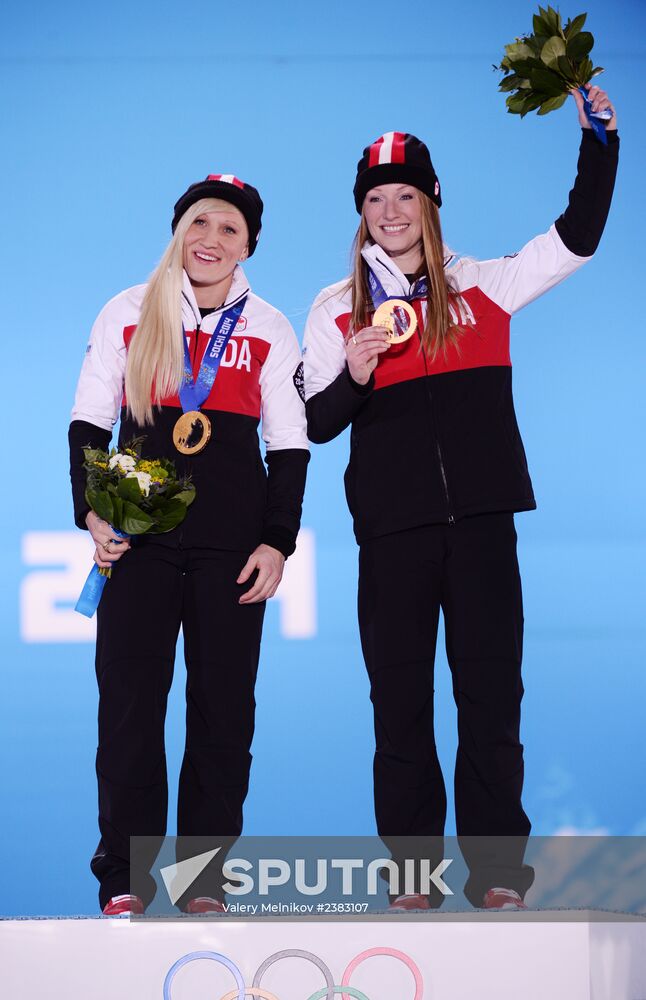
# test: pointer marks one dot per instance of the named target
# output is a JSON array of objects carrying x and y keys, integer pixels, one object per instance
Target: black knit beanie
[
  {"x": 396, "y": 158},
  {"x": 227, "y": 188}
]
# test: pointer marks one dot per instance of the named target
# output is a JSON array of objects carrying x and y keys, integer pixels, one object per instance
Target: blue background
[{"x": 108, "y": 113}]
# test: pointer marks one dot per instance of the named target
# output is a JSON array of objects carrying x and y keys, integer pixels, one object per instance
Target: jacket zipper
[
  {"x": 446, "y": 487},
  {"x": 445, "y": 484},
  {"x": 437, "y": 439}
]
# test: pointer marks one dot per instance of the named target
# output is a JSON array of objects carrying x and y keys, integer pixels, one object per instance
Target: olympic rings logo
[{"x": 328, "y": 992}]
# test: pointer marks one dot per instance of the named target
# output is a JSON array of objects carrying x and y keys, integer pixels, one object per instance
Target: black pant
[
  {"x": 470, "y": 570},
  {"x": 153, "y": 590}
]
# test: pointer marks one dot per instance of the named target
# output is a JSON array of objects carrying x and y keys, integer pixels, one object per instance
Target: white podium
[{"x": 488, "y": 957}]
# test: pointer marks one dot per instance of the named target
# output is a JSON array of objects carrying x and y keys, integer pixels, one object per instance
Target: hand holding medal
[
  {"x": 398, "y": 317},
  {"x": 362, "y": 351},
  {"x": 394, "y": 322}
]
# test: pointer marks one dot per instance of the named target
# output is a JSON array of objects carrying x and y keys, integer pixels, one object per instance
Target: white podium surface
[{"x": 484, "y": 958}]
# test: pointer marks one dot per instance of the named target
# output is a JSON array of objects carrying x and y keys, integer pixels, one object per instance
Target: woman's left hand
[
  {"x": 600, "y": 101},
  {"x": 270, "y": 563}
]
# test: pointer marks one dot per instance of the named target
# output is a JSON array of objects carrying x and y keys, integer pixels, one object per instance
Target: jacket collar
[
  {"x": 391, "y": 277},
  {"x": 190, "y": 309},
  {"x": 393, "y": 280}
]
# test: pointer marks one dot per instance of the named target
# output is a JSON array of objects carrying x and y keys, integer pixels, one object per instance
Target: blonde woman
[
  {"x": 194, "y": 339},
  {"x": 437, "y": 470}
]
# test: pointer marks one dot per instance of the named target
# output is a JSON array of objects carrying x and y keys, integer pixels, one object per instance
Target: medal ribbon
[
  {"x": 378, "y": 293},
  {"x": 193, "y": 392}
]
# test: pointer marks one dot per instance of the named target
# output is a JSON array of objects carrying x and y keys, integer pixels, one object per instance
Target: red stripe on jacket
[
  {"x": 485, "y": 345},
  {"x": 237, "y": 386}
]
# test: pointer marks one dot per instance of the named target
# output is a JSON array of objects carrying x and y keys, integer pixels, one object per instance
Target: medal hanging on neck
[
  {"x": 395, "y": 314},
  {"x": 192, "y": 432}
]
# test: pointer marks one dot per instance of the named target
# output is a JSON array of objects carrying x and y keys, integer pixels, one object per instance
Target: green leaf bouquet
[
  {"x": 136, "y": 496},
  {"x": 540, "y": 69}
]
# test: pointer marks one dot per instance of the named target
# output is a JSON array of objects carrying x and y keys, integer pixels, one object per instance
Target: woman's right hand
[
  {"x": 108, "y": 548},
  {"x": 362, "y": 351},
  {"x": 599, "y": 101}
]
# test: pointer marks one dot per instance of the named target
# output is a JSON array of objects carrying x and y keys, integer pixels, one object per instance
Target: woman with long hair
[
  {"x": 213, "y": 574},
  {"x": 437, "y": 470}
]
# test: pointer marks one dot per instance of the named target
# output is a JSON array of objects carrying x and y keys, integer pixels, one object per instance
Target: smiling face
[
  {"x": 393, "y": 214},
  {"x": 214, "y": 243}
]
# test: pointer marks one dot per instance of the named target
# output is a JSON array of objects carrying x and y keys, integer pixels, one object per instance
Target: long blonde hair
[
  {"x": 155, "y": 362},
  {"x": 443, "y": 300}
]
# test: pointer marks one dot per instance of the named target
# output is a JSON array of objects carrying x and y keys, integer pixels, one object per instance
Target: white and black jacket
[
  {"x": 434, "y": 440},
  {"x": 238, "y": 505}
]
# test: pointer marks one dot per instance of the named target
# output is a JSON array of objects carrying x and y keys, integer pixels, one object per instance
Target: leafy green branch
[{"x": 540, "y": 69}]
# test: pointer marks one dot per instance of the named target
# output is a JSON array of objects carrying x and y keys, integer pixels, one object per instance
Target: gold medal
[
  {"x": 390, "y": 314},
  {"x": 191, "y": 433}
]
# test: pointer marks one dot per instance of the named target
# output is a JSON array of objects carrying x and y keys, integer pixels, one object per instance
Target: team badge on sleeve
[{"x": 299, "y": 381}]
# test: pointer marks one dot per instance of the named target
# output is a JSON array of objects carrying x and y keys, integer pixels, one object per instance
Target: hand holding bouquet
[{"x": 129, "y": 496}]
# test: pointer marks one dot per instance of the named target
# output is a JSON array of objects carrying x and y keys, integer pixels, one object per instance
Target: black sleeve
[
  {"x": 285, "y": 488},
  {"x": 333, "y": 409},
  {"x": 82, "y": 435},
  {"x": 581, "y": 225}
]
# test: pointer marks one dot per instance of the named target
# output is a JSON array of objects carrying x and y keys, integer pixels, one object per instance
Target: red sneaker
[
  {"x": 205, "y": 904},
  {"x": 410, "y": 901},
  {"x": 120, "y": 906},
  {"x": 503, "y": 899}
]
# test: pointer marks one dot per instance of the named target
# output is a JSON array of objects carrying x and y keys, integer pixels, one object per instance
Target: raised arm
[
  {"x": 582, "y": 224},
  {"x": 512, "y": 282}
]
